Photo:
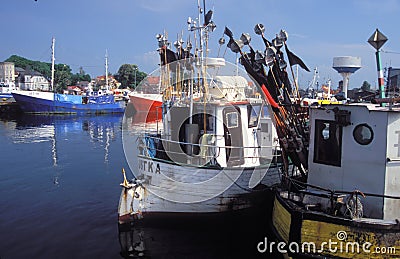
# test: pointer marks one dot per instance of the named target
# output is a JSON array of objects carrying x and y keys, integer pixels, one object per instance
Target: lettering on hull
[{"x": 149, "y": 166}]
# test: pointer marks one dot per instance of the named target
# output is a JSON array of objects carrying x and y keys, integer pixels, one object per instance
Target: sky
[{"x": 84, "y": 29}]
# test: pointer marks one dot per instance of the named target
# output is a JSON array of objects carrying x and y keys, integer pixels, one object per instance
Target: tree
[
  {"x": 366, "y": 86},
  {"x": 62, "y": 77},
  {"x": 129, "y": 75},
  {"x": 41, "y": 67},
  {"x": 80, "y": 76}
]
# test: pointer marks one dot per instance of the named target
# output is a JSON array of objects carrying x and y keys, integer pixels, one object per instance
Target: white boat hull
[{"x": 170, "y": 188}]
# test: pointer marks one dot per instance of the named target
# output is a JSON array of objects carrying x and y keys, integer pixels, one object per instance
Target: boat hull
[
  {"x": 32, "y": 104},
  {"x": 158, "y": 195},
  {"x": 147, "y": 103},
  {"x": 5, "y": 95},
  {"x": 291, "y": 224}
]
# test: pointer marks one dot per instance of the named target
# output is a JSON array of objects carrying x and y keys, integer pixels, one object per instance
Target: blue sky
[{"x": 318, "y": 31}]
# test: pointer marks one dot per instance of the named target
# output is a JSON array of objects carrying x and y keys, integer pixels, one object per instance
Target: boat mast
[
  {"x": 313, "y": 82},
  {"x": 106, "y": 58},
  {"x": 200, "y": 33},
  {"x": 53, "y": 146},
  {"x": 203, "y": 74},
  {"x": 53, "y": 42},
  {"x": 329, "y": 89}
]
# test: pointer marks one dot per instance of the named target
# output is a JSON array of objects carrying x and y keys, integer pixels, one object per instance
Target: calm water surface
[
  {"x": 59, "y": 186},
  {"x": 59, "y": 192}
]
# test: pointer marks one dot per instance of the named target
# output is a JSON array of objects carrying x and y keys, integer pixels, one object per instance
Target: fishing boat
[
  {"x": 54, "y": 103},
  {"x": 323, "y": 97},
  {"x": 49, "y": 103},
  {"x": 6, "y": 89},
  {"x": 121, "y": 94},
  {"x": 341, "y": 200},
  {"x": 351, "y": 198},
  {"x": 214, "y": 150},
  {"x": 146, "y": 102},
  {"x": 8, "y": 106},
  {"x": 147, "y": 97}
]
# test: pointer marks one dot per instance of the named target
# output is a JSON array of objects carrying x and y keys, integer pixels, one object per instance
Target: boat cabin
[
  {"x": 357, "y": 147},
  {"x": 226, "y": 130},
  {"x": 218, "y": 129}
]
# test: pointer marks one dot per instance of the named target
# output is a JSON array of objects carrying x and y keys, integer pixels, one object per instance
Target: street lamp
[{"x": 377, "y": 40}]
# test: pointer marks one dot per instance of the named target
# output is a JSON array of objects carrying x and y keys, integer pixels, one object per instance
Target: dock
[{"x": 9, "y": 106}]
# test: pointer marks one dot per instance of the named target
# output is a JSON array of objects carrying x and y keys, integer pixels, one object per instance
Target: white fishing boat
[
  {"x": 6, "y": 90},
  {"x": 214, "y": 150}
]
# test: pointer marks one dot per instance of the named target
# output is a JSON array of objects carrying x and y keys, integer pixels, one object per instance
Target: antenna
[{"x": 204, "y": 9}]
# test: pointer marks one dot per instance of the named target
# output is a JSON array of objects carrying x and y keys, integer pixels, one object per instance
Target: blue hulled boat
[{"x": 52, "y": 103}]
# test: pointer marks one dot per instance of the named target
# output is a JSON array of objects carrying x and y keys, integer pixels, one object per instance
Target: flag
[
  {"x": 228, "y": 32},
  {"x": 207, "y": 17},
  {"x": 167, "y": 56},
  {"x": 266, "y": 42},
  {"x": 295, "y": 60}
]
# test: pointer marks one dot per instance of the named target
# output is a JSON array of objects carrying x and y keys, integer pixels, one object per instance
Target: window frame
[
  {"x": 328, "y": 150},
  {"x": 355, "y": 135}
]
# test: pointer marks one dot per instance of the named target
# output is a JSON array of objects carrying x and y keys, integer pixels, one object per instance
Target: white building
[
  {"x": 7, "y": 73},
  {"x": 84, "y": 85},
  {"x": 32, "y": 80}
]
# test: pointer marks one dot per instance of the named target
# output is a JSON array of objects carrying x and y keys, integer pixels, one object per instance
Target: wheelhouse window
[
  {"x": 253, "y": 113},
  {"x": 232, "y": 120},
  {"x": 363, "y": 134},
  {"x": 328, "y": 143}
]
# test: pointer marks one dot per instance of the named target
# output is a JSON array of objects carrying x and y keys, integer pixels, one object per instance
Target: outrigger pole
[{"x": 291, "y": 129}]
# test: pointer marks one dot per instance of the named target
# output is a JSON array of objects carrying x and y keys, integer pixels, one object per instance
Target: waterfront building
[
  {"x": 7, "y": 74},
  {"x": 32, "y": 80}
]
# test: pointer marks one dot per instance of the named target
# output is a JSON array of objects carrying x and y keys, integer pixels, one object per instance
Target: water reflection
[
  {"x": 225, "y": 235},
  {"x": 136, "y": 122},
  {"x": 59, "y": 186},
  {"x": 30, "y": 129},
  {"x": 132, "y": 241}
]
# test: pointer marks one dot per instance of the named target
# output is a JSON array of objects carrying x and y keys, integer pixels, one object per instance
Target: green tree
[
  {"x": 41, "y": 67},
  {"x": 129, "y": 75},
  {"x": 80, "y": 76},
  {"x": 62, "y": 74},
  {"x": 366, "y": 86},
  {"x": 62, "y": 77}
]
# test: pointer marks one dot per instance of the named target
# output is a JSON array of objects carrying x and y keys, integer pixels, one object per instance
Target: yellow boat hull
[{"x": 314, "y": 234}]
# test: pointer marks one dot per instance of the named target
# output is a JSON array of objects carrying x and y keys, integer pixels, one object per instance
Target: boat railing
[
  {"x": 336, "y": 198},
  {"x": 177, "y": 151},
  {"x": 337, "y": 192}
]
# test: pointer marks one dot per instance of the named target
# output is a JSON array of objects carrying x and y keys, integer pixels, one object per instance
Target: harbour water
[{"x": 59, "y": 191}]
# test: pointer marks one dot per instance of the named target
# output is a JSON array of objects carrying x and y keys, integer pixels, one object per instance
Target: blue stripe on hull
[
  {"x": 30, "y": 104},
  {"x": 5, "y": 95}
]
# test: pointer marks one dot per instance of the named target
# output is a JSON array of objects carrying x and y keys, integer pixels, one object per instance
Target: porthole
[{"x": 363, "y": 134}]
